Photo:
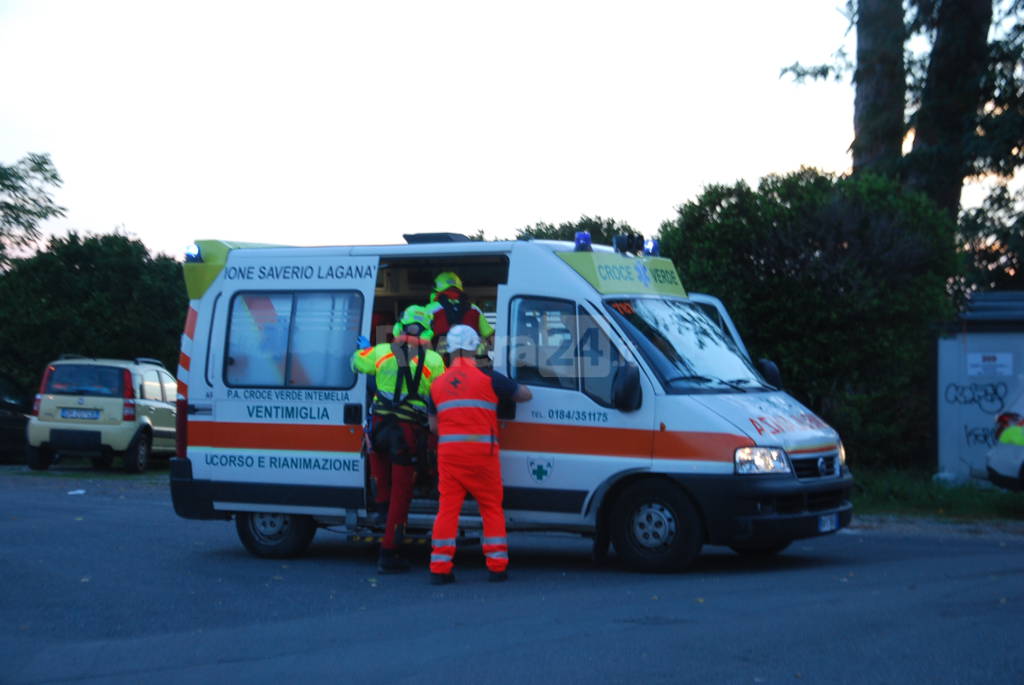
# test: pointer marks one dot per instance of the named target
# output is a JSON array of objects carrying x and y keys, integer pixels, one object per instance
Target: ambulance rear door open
[{"x": 276, "y": 415}]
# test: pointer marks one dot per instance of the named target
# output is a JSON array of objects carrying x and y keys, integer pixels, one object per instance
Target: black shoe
[
  {"x": 498, "y": 576},
  {"x": 390, "y": 562},
  {"x": 442, "y": 578}
]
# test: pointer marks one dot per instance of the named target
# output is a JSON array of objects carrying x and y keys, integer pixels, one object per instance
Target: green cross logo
[{"x": 539, "y": 470}]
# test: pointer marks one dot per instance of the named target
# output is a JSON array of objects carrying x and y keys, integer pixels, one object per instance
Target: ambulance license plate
[
  {"x": 828, "y": 523},
  {"x": 71, "y": 413}
]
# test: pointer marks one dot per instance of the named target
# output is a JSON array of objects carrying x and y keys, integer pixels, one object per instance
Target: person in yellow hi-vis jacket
[{"x": 404, "y": 370}]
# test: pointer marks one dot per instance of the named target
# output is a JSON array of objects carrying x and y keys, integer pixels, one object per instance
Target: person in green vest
[{"x": 404, "y": 370}]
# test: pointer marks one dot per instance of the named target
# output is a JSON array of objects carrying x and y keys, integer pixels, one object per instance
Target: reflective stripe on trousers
[{"x": 482, "y": 479}]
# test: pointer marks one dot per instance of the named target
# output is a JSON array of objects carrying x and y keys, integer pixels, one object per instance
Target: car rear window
[{"x": 86, "y": 379}]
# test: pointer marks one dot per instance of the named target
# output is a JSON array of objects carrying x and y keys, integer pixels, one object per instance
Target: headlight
[
  {"x": 842, "y": 456},
  {"x": 761, "y": 460}
]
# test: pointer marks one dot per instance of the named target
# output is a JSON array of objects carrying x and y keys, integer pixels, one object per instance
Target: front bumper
[{"x": 769, "y": 509}]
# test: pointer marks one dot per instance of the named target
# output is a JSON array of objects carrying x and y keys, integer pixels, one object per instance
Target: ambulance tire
[
  {"x": 136, "y": 457},
  {"x": 655, "y": 527},
  {"x": 276, "y": 536},
  {"x": 760, "y": 551}
]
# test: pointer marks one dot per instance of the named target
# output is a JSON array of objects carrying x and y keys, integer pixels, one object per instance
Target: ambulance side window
[
  {"x": 599, "y": 360},
  {"x": 292, "y": 339},
  {"x": 543, "y": 343}
]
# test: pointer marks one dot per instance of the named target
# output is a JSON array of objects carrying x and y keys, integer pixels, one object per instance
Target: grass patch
[{"x": 915, "y": 493}]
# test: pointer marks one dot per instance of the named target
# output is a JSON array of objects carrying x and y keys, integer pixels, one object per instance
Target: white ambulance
[{"x": 650, "y": 427}]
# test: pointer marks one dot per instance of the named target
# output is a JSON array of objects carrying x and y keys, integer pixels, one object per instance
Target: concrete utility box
[{"x": 980, "y": 373}]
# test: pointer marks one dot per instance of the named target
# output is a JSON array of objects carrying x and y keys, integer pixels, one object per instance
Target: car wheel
[
  {"x": 275, "y": 535},
  {"x": 136, "y": 457},
  {"x": 38, "y": 458},
  {"x": 655, "y": 527},
  {"x": 760, "y": 550}
]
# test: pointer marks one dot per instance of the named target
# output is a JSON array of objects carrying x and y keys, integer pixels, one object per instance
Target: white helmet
[{"x": 462, "y": 337}]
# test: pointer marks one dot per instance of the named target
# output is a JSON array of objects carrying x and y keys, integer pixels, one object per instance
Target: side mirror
[
  {"x": 626, "y": 392},
  {"x": 770, "y": 371}
]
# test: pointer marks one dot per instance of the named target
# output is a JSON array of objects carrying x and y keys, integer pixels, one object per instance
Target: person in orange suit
[{"x": 463, "y": 411}]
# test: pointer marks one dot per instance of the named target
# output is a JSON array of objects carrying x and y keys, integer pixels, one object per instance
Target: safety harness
[
  {"x": 453, "y": 309},
  {"x": 388, "y": 438},
  {"x": 401, "y": 404}
]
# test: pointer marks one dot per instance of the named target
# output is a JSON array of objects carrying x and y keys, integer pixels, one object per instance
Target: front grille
[
  {"x": 829, "y": 499},
  {"x": 802, "y": 502},
  {"x": 817, "y": 467}
]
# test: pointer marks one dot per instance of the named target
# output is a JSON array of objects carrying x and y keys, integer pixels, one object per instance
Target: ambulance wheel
[
  {"x": 760, "y": 550},
  {"x": 275, "y": 535},
  {"x": 655, "y": 527},
  {"x": 136, "y": 457}
]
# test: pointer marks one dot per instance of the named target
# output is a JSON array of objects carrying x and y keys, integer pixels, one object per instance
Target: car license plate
[
  {"x": 71, "y": 413},
  {"x": 828, "y": 523}
]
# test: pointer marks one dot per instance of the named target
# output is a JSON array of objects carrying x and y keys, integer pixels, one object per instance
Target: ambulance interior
[{"x": 407, "y": 281}]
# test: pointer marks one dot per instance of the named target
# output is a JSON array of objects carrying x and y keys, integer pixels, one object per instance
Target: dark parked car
[{"x": 14, "y": 408}]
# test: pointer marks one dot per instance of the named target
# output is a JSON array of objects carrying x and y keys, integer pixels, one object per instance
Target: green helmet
[
  {"x": 413, "y": 315},
  {"x": 448, "y": 279}
]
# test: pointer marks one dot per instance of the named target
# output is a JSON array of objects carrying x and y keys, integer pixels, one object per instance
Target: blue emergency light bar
[
  {"x": 193, "y": 254},
  {"x": 583, "y": 242}
]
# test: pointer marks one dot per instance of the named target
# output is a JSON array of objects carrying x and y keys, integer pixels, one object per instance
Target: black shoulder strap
[
  {"x": 453, "y": 309},
  {"x": 411, "y": 379}
]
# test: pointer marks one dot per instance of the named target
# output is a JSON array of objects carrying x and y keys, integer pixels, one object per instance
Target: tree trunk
[
  {"x": 949, "y": 104},
  {"x": 880, "y": 87}
]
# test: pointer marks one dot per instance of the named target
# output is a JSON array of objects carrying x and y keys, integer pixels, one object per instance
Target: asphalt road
[{"x": 110, "y": 586}]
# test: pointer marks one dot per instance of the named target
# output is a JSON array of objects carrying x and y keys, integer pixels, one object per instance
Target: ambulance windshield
[{"x": 687, "y": 346}]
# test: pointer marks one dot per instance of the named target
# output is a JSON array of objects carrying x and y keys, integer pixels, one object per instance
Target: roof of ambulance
[
  {"x": 468, "y": 248},
  {"x": 425, "y": 249}
]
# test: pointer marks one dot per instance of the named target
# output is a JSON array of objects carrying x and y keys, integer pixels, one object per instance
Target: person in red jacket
[
  {"x": 463, "y": 411},
  {"x": 449, "y": 306}
]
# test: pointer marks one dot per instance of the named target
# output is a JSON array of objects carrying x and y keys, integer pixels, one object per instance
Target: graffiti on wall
[
  {"x": 979, "y": 436},
  {"x": 989, "y": 397}
]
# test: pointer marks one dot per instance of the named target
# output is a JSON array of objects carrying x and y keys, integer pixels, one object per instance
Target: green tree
[
  {"x": 601, "y": 230},
  {"x": 962, "y": 97},
  {"x": 840, "y": 281},
  {"x": 992, "y": 238},
  {"x": 101, "y": 296},
  {"x": 25, "y": 201}
]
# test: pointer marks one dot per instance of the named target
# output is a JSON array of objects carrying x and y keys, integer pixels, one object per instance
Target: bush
[
  {"x": 101, "y": 296},
  {"x": 841, "y": 282}
]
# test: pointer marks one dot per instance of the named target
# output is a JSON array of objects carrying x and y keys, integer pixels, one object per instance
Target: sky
[{"x": 327, "y": 123}]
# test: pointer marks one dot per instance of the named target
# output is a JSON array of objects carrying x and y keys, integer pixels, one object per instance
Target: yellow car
[{"x": 101, "y": 408}]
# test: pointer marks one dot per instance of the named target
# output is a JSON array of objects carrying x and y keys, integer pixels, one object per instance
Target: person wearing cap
[
  {"x": 464, "y": 414},
  {"x": 404, "y": 369},
  {"x": 450, "y": 306}
]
